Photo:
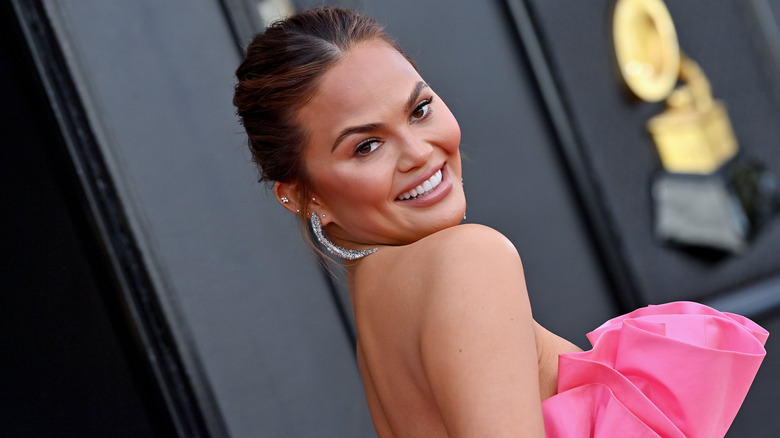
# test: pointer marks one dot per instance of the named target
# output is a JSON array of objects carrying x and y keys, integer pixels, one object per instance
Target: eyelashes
[
  {"x": 420, "y": 112},
  {"x": 367, "y": 146}
]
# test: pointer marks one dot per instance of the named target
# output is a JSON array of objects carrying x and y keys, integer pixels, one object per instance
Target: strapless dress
[{"x": 677, "y": 370}]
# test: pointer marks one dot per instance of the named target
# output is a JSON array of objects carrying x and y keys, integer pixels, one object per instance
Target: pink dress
[{"x": 678, "y": 370}]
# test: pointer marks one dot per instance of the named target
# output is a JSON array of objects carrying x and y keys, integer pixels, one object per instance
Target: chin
[{"x": 450, "y": 219}]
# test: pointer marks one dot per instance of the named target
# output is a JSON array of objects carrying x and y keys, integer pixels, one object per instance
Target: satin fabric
[{"x": 677, "y": 370}]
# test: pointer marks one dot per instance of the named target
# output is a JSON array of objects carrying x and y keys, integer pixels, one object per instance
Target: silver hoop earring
[{"x": 344, "y": 253}]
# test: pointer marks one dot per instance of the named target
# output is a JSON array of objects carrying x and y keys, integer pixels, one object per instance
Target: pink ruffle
[{"x": 675, "y": 370}]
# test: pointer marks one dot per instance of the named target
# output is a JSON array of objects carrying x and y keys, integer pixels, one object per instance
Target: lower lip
[{"x": 434, "y": 196}]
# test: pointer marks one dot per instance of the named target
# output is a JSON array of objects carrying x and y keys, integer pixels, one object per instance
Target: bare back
[{"x": 446, "y": 342}]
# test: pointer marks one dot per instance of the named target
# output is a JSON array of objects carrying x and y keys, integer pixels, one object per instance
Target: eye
[
  {"x": 367, "y": 146},
  {"x": 422, "y": 110}
]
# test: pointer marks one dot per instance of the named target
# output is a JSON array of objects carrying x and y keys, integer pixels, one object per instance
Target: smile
[{"x": 423, "y": 188}]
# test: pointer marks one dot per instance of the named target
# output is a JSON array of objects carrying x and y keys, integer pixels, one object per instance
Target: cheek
[
  {"x": 449, "y": 132},
  {"x": 454, "y": 136},
  {"x": 354, "y": 187}
]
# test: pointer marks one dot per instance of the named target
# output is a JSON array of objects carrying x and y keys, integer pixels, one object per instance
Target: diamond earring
[{"x": 344, "y": 253}]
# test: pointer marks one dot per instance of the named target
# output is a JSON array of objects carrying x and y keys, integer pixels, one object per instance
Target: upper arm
[{"x": 477, "y": 338}]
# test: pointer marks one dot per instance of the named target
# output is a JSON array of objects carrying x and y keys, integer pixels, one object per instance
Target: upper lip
[{"x": 418, "y": 182}]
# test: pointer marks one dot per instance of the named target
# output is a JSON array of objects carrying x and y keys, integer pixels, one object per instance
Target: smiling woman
[
  {"x": 356, "y": 142},
  {"x": 375, "y": 132}
]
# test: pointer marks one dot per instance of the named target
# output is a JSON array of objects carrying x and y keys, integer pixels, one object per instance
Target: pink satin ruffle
[{"x": 675, "y": 370}]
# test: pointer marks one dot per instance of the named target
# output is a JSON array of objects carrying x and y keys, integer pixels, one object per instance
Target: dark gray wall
[
  {"x": 248, "y": 305},
  {"x": 69, "y": 365}
]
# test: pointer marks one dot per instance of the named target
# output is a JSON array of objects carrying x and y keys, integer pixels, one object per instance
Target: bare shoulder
[
  {"x": 462, "y": 253},
  {"x": 470, "y": 245},
  {"x": 456, "y": 268},
  {"x": 473, "y": 233},
  {"x": 453, "y": 266},
  {"x": 467, "y": 263},
  {"x": 477, "y": 337}
]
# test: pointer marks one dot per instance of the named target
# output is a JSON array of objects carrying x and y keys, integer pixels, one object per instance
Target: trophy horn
[{"x": 646, "y": 48}]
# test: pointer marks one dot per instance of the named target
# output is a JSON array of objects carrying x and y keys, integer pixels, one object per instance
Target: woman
[{"x": 359, "y": 145}]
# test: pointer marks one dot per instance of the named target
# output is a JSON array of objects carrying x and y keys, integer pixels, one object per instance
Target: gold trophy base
[{"x": 694, "y": 140}]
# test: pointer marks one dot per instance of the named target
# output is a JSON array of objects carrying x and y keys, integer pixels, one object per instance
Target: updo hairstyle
[{"x": 280, "y": 73}]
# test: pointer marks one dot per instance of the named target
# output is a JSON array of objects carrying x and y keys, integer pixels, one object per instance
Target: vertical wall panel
[{"x": 248, "y": 305}]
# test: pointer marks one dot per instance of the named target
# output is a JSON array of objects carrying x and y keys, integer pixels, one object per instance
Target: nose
[{"x": 415, "y": 152}]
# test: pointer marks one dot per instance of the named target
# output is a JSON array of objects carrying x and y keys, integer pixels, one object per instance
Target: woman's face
[{"x": 377, "y": 132}]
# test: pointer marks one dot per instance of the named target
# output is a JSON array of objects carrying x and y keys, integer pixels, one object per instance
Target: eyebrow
[{"x": 418, "y": 87}]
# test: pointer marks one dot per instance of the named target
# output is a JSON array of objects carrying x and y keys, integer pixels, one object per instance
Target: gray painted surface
[{"x": 248, "y": 303}]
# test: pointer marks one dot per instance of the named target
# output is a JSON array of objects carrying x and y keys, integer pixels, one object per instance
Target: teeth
[{"x": 424, "y": 188}]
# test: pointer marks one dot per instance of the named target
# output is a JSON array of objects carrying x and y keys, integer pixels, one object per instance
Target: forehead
[{"x": 369, "y": 81}]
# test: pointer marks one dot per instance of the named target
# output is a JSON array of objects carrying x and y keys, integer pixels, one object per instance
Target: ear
[
  {"x": 291, "y": 193},
  {"x": 317, "y": 206},
  {"x": 287, "y": 195}
]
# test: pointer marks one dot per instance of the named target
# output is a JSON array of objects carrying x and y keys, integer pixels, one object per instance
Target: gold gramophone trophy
[{"x": 708, "y": 196}]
